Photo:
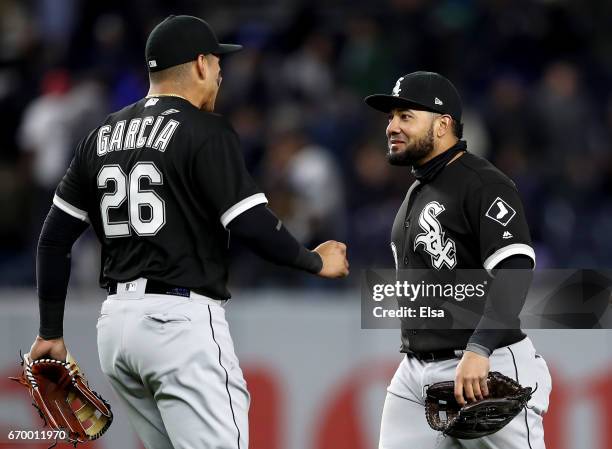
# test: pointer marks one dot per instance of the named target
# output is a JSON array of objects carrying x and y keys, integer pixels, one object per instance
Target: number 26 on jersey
[{"x": 128, "y": 187}]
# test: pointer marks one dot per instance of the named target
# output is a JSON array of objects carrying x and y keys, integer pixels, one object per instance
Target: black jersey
[
  {"x": 469, "y": 216},
  {"x": 159, "y": 181}
]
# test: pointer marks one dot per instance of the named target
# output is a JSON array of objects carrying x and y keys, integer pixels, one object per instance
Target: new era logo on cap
[
  {"x": 152, "y": 63},
  {"x": 438, "y": 101}
]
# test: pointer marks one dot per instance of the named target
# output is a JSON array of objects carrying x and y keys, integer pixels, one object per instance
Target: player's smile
[{"x": 396, "y": 144}]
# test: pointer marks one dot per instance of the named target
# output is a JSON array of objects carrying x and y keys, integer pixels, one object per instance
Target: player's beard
[{"x": 416, "y": 149}]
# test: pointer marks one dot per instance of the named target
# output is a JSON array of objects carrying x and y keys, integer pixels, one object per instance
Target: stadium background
[{"x": 534, "y": 76}]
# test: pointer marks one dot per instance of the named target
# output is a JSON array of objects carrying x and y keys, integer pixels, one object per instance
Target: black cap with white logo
[
  {"x": 180, "y": 39},
  {"x": 420, "y": 90}
]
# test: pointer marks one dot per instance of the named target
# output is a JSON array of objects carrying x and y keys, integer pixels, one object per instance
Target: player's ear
[
  {"x": 444, "y": 125},
  {"x": 201, "y": 67}
]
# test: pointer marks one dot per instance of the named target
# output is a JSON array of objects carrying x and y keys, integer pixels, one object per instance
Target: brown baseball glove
[
  {"x": 506, "y": 400},
  {"x": 64, "y": 400}
]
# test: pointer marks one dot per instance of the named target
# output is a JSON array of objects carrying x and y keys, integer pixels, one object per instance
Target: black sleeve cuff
[
  {"x": 479, "y": 349},
  {"x": 51, "y": 319},
  {"x": 308, "y": 261}
]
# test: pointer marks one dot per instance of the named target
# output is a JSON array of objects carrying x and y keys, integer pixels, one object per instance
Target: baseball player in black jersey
[
  {"x": 460, "y": 213},
  {"x": 163, "y": 184}
]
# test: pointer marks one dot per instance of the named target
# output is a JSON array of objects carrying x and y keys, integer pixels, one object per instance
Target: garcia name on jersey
[{"x": 119, "y": 137}]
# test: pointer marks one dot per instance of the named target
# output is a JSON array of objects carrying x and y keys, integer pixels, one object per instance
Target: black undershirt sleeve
[
  {"x": 59, "y": 232},
  {"x": 266, "y": 235},
  {"x": 505, "y": 300}
]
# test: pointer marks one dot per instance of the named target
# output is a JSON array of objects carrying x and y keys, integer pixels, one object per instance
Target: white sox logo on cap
[
  {"x": 441, "y": 249},
  {"x": 398, "y": 87}
]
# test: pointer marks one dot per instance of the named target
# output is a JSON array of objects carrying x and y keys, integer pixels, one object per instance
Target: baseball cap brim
[
  {"x": 227, "y": 48},
  {"x": 386, "y": 103}
]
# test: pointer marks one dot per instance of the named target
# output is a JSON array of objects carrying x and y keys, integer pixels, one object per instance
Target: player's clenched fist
[
  {"x": 54, "y": 348},
  {"x": 333, "y": 254}
]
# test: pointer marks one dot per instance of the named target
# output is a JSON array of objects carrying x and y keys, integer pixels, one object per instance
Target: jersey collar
[{"x": 430, "y": 169}]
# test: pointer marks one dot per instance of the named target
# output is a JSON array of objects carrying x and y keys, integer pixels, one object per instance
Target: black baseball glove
[{"x": 506, "y": 400}]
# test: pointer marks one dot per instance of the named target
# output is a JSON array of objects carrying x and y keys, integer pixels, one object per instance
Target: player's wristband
[
  {"x": 478, "y": 349},
  {"x": 51, "y": 319},
  {"x": 308, "y": 261}
]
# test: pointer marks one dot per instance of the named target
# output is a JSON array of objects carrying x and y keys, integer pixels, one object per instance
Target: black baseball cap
[
  {"x": 180, "y": 39},
  {"x": 420, "y": 90}
]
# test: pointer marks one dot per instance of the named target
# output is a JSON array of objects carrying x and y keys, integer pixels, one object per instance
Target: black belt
[
  {"x": 160, "y": 288},
  {"x": 435, "y": 356}
]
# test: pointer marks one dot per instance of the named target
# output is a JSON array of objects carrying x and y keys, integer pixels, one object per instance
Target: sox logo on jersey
[{"x": 441, "y": 249}]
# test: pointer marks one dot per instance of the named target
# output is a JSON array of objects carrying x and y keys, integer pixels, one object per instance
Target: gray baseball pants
[
  {"x": 403, "y": 420},
  {"x": 171, "y": 361}
]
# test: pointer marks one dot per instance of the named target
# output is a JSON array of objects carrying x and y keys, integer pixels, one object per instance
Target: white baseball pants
[
  {"x": 171, "y": 361},
  {"x": 403, "y": 420}
]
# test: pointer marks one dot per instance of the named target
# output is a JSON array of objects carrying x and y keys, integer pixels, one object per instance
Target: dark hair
[
  {"x": 456, "y": 125},
  {"x": 457, "y": 129}
]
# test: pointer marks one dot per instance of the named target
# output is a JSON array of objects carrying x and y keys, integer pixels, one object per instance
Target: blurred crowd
[{"x": 534, "y": 77}]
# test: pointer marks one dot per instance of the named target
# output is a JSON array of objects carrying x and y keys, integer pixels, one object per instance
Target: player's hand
[
  {"x": 471, "y": 378},
  {"x": 333, "y": 255},
  {"x": 55, "y": 349}
]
